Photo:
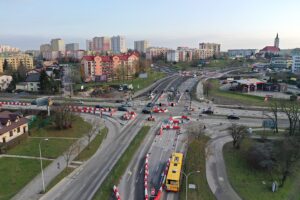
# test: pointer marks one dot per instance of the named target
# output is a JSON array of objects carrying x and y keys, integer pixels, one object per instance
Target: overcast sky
[{"x": 169, "y": 23}]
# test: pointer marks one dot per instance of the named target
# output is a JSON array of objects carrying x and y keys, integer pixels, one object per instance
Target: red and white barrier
[
  {"x": 146, "y": 176},
  {"x": 116, "y": 192},
  {"x": 15, "y": 103},
  {"x": 159, "y": 110},
  {"x": 129, "y": 115}
]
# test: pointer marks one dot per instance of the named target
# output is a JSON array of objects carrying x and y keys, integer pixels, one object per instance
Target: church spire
[{"x": 276, "y": 41}]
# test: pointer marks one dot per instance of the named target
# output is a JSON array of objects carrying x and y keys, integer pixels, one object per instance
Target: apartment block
[
  {"x": 118, "y": 44},
  {"x": 141, "y": 46},
  {"x": 57, "y": 45},
  {"x": 15, "y": 60},
  {"x": 72, "y": 47},
  {"x": 210, "y": 49}
]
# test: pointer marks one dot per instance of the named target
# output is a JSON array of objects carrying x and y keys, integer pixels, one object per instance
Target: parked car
[
  {"x": 146, "y": 111},
  {"x": 233, "y": 117},
  {"x": 121, "y": 108},
  {"x": 98, "y": 106},
  {"x": 208, "y": 112}
]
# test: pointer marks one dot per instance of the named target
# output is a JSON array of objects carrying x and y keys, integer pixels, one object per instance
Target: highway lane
[{"x": 98, "y": 167}]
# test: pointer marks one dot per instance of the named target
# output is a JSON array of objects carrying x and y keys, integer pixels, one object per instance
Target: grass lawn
[
  {"x": 230, "y": 97},
  {"x": 268, "y": 132},
  {"x": 93, "y": 146},
  {"x": 59, "y": 177},
  {"x": 248, "y": 182},
  {"x": 15, "y": 173},
  {"x": 50, "y": 149},
  {"x": 105, "y": 189},
  {"x": 138, "y": 83},
  {"x": 194, "y": 161},
  {"x": 80, "y": 127},
  {"x": 84, "y": 155}
]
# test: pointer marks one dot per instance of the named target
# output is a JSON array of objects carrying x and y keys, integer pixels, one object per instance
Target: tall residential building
[
  {"x": 118, "y": 44},
  {"x": 57, "y": 45},
  {"x": 172, "y": 56},
  {"x": 72, "y": 47},
  {"x": 45, "y": 48},
  {"x": 276, "y": 41},
  {"x": 210, "y": 49},
  {"x": 101, "y": 44},
  {"x": 141, "y": 46},
  {"x": 15, "y": 60},
  {"x": 156, "y": 52},
  {"x": 89, "y": 45},
  {"x": 8, "y": 49}
]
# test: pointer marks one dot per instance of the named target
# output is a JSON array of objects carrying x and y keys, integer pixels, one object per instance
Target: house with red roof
[{"x": 108, "y": 68}]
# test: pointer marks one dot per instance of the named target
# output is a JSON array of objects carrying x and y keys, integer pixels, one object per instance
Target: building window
[
  {"x": 11, "y": 133},
  {"x": 18, "y": 129}
]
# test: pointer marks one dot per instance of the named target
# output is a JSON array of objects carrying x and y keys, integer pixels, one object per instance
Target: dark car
[
  {"x": 98, "y": 106},
  {"x": 208, "y": 112},
  {"x": 232, "y": 117},
  {"x": 119, "y": 101},
  {"x": 121, "y": 108},
  {"x": 149, "y": 105},
  {"x": 146, "y": 111}
]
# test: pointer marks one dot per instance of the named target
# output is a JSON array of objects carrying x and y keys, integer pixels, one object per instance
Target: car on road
[
  {"x": 98, "y": 106},
  {"x": 233, "y": 117},
  {"x": 127, "y": 104},
  {"x": 150, "y": 104},
  {"x": 208, "y": 112},
  {"x": 119, "y": 101},
  {"x": 121, "y": 108},
  {"x": 146, "y": 111}
]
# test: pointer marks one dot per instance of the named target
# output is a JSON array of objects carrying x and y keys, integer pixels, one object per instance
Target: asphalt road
[{"x": 86, "y": 183}]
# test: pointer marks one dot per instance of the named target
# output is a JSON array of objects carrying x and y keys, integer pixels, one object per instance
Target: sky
[{"x": 167, "y": 23}]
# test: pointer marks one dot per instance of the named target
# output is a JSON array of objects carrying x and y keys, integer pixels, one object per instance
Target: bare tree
[
  {"x": 195, "y": 130},
  {"x": 91, "y": 133},
  {"x": 288, "y": 157},
  {"x": 238, "y": 133},
  {"x": 207, "y": 86},
  {"x": 274, "y": 108},
  {"x": 63, "y": 117},
  {"x": 72, "y": 150},
  {"x": 292, "y": 111}
]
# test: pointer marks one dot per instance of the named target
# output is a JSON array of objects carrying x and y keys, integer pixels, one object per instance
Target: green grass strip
[{"x": 119, "y": 169}]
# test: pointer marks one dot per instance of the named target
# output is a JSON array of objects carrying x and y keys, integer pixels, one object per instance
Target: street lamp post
[
  {"x": 186, "y": 181},
  {"x": 43, "y": 181}
]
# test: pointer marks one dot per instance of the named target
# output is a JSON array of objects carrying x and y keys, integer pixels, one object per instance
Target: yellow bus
[{"x": 174, "y": 173}]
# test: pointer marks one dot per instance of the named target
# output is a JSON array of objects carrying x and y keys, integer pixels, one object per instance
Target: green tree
[
  {"x": 5, "y": 65},
  {"x": 22, "y": 71},
  {"x": 45, "y": 83}
]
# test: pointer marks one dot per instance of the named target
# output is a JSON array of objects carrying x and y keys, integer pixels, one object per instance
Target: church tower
[{"x": 276, "y": 42}]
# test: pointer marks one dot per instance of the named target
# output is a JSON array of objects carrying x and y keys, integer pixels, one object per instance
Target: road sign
[{"x": 268, "y": 123}]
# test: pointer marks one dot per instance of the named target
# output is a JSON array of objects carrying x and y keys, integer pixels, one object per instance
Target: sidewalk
[{"x": 34, "y": 187}]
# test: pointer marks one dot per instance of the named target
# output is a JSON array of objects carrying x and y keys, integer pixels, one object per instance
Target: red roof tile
[{"x": 270, "y": 49}]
